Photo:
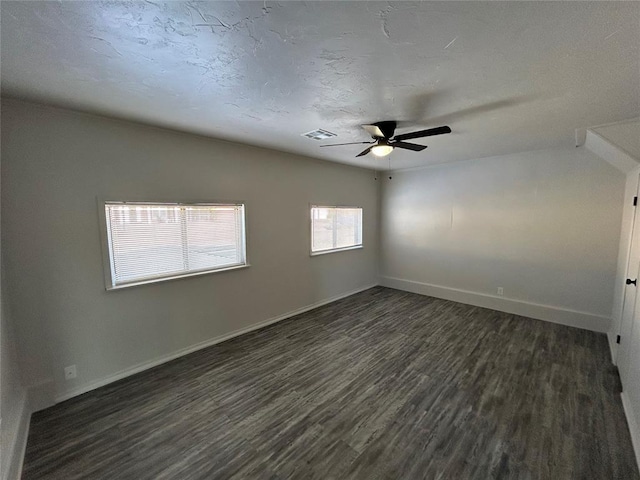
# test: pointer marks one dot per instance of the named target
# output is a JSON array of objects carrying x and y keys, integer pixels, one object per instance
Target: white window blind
[
  {"x": 335, "y": 228},
  {"x": 157, "y": 241}
]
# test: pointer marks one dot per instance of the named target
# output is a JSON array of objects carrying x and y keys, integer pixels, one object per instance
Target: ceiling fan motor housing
[{"x": 387, "y": 128}]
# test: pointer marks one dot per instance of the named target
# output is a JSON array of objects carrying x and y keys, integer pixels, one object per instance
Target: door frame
[{"x": 629, "y": 214}]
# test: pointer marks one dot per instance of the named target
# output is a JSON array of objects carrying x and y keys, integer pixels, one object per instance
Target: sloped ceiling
[
  {"x": 625, "y": 136},
  {"x": 506, "y": 76}
]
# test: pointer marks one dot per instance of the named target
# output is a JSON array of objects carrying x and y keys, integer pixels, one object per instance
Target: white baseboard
[
  {"x": 198, "y": 346},
  {"x": 572, "y": 318},
  {"x": 17, "y": 441},
  {"x": 613, "y": 347},
  {"x": 633, "y": 426}
]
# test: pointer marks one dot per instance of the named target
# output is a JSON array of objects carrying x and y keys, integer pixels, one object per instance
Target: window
[
  {"x": 149, "y": 242},
  {"x": 335, "y": 228}
]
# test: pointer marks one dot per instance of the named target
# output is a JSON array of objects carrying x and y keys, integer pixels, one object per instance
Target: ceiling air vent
[{"x": 319, "y": 134}]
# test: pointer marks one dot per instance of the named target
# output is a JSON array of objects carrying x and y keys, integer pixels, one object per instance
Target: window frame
[
  {"x": 333, "y": 250},
  {"x": 107, "y": 259}
]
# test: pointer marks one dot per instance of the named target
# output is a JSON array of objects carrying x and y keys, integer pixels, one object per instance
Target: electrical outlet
[
  {"x": 500, "y": 291},
  {"x": 70, "y": 372}
]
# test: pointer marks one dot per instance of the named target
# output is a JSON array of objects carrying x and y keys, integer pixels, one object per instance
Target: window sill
[
  {"x": 176, "y": 277},
  {"x": 335, "y": 250}
]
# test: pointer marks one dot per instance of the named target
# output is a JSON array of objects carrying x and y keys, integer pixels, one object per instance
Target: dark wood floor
[{"x": 381, "y": 385}]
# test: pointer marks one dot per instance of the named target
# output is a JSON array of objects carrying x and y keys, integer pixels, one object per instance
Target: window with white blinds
[
  {"x": 149, "y": 242},
  {"x": 335, "y": 228}
]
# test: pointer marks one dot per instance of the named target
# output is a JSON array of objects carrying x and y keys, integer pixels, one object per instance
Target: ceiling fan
[{"x": 384, "y": 140}]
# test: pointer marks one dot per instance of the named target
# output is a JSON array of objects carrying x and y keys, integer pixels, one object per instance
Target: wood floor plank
[{"x": 380, "y": 385}]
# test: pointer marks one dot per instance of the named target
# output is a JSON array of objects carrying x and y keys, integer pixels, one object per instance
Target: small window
[
  {"x": 335, "y": 228},
  {"x": 160, "y": 241}
]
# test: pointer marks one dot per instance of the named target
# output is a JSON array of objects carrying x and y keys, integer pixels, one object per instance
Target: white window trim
[
  {"x": 107, "y": 260},
  {"x": 176, "y": 277},
  {"x": 335, "y": 250},
  {"x": 332, "y": 250}
]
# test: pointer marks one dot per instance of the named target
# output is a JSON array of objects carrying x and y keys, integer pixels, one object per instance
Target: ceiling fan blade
[
  {"x": 423, "y": 133},
  {"x": 373, "y": 130},
  {"x": 364, "y": 152},
  {"x": 409, "y": 146},
  {"x": 381, "y": 129},
  {"x": 352, "y": 143}
]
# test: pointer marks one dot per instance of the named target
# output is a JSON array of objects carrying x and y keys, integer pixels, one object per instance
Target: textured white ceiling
[{"x": 506, "y": 77}]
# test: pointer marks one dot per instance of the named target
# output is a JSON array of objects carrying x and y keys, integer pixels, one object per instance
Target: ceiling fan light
[{"x": 381, "y": 150}]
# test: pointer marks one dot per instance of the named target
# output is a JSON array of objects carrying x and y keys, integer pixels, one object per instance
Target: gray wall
[
  {"x": 544, "y": 225},
  {"x": 55, "y": 164}
]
